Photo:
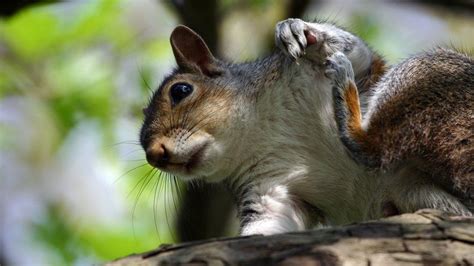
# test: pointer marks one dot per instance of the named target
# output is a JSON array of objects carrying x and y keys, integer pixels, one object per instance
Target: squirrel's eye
[{"x": 179, "y": 91}]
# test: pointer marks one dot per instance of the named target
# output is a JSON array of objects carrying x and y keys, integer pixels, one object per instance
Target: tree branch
[{"x": 427, "y": 237}]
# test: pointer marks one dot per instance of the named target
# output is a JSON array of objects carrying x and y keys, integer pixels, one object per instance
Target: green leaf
[{"x": 32, "y": 33}]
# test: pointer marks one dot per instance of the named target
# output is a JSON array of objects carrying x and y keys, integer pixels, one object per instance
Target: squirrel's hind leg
[{"x": 347, "y": 111}]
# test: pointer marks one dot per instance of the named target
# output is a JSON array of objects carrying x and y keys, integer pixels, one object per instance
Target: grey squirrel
[{"x": 285, "y": 133}]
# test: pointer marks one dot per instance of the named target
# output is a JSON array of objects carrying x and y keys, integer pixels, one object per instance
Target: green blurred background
[{"x": 74, "y": 76}]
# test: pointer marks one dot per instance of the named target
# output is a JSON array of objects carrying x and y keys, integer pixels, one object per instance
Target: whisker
[
  {"x": 134, "y": 160},
  {"x": 178, "y": 189},
  {"x": 145, "y": 82},
  {"x": 134, "y": 168},
  {"x": 174, "y": 191},
  {"x": 219, "y": 93},
  {"x": 168, "y": 186},
  {"x": 191, "y": 130},
  {"x": 143, "y": 180},
  {"x": 155, "y": 200},
  {"x": 166, "y": 209},
  {"x": 133, "y": 151},
  {"x": 189, "y": 110},
  {"x": 122, "y": 143},
  {"x": 195, "y": 128}
]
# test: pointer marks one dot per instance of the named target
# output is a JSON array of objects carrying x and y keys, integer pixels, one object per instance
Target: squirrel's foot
[
  {"x": 339, "y": 70},
  {"x": 316, "y": 41},
  {"x": 293, "y": 35},
  {"x": 347, "y": 112}
]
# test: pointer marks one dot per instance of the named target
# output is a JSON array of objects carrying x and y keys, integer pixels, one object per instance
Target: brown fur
[
  {"x": 354, "y": 123},
  {"x": 205, "y": 100},
  {"x": 377, "y": 69},
  {"x": 262, "y": 128},
  {"x": 426, "y": 116}
]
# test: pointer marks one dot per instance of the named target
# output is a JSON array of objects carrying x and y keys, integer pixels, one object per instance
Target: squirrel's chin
[
  {"x": 187, "y": 172},
  {"x": 199, "y": 173}
]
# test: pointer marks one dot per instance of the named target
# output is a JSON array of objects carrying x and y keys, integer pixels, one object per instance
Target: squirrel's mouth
[
  {"x": 187, "y": 167},
  {"x": 196, "y": 158}
]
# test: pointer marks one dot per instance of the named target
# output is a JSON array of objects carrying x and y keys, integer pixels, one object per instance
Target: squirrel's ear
[{"x": 191, "y": 52}]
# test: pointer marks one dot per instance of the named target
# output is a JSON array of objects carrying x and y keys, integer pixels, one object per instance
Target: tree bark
[
  {"x": 10, "y": 8},
  {"x": 427, "y": 237}
]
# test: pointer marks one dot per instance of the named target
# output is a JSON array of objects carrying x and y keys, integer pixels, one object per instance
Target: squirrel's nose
[{"x": 157, "y": 155}]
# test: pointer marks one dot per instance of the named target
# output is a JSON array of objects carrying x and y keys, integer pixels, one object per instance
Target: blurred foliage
[
  {"x": 75, "y": 85},
  {"x": 66, "y": 58},
  {"x": 58, "y": 235}
]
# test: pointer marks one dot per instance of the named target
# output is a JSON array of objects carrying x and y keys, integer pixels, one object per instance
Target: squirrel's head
[{"x": 188, "y": 123}]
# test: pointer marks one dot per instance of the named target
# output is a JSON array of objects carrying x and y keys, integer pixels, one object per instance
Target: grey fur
[{"x": 275, "y": 140}]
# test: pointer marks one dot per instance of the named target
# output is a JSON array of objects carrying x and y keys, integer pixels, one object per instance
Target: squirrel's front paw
[
  {"x": 292, "y": 36},
  {"x": 339, "y": 68}
]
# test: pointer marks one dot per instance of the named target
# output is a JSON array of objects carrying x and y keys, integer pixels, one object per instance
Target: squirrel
[
  {"x": 285, "y": 133},
  {"x": 421, "y": 112}
]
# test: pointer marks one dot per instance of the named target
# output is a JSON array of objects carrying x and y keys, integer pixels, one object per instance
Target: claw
[{"x": 290, "y": 37}]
